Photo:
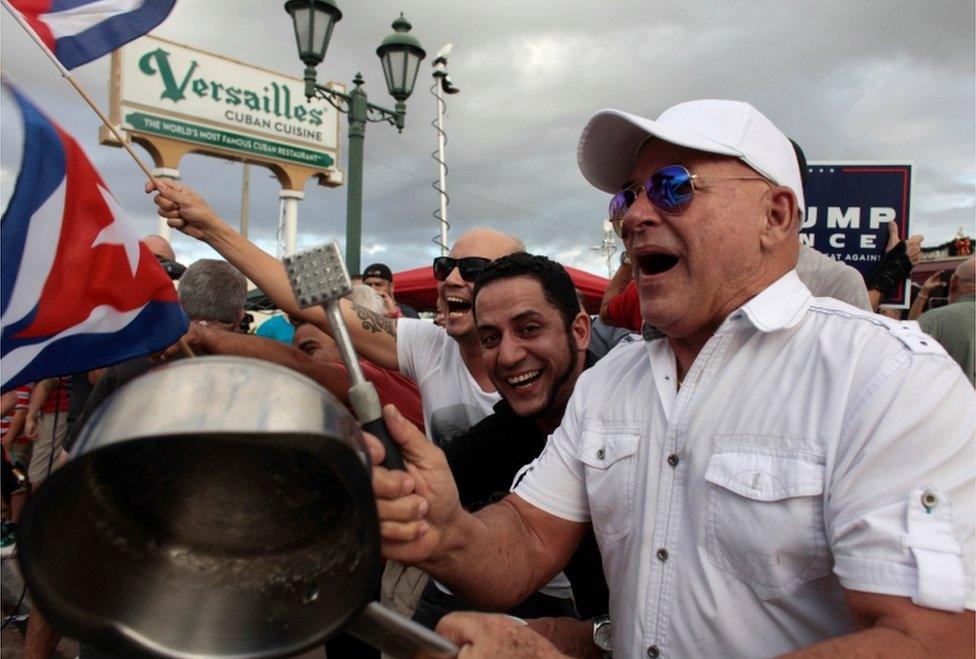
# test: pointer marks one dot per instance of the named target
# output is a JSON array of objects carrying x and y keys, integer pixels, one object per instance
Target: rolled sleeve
[
  {"x": 554, "y": 482},
  {"x": 900, "y": 508}
]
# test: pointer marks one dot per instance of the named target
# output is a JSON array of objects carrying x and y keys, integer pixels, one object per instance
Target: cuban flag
[
  {"x": 78, "y": 31},
  {"x": 78, "y": 290}
]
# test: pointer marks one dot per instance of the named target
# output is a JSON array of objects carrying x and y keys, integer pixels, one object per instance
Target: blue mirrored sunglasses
[{"x": 670, "y": 189}]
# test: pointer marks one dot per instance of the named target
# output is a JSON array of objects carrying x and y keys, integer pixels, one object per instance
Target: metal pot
[{"x": 214, "y": 506}]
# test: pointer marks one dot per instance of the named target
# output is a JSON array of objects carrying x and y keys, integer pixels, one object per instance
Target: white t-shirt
[
  {"x": 450, "y": 396},
  {"x": 812, "y": 447}
]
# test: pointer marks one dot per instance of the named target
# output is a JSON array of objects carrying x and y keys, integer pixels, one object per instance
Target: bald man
[
  {"x": 160, "y": 247},
  {"x": 954, "y": 325}
]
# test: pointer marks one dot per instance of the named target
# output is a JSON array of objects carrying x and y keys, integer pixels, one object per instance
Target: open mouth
[
  {"x": 524, "y": 380},
  {"x": 655, "y": 264},
  {"x": 457, "y": 307}
]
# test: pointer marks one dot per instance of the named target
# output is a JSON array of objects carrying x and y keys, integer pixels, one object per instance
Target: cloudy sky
[{"x": 871, "y": 80}]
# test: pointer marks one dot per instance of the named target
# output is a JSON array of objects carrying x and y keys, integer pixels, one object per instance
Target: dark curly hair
[{"x": 556, "y": 284}]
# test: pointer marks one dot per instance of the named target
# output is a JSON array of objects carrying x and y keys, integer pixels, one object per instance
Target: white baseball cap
[{"x": 608, "y": 146}]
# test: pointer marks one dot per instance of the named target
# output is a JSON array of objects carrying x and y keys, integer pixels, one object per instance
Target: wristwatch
[{"x": 603, "y": 635}]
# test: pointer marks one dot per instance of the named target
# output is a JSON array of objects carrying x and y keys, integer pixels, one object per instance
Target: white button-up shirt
[{"x": 812, "y": 447}]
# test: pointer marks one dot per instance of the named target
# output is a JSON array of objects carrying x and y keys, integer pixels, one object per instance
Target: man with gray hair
[{"x": 213, "y": 292}]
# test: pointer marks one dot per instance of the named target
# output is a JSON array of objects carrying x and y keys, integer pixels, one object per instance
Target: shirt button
[
  {"x": 662, "y": 554},
  {"x": 673, "y": 459},
  {"x": 601, "y": 454},
  {"x": 653, "y": 652}
]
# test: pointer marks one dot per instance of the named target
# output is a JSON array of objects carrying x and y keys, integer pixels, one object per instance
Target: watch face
[{"x": 603, "y": 635}]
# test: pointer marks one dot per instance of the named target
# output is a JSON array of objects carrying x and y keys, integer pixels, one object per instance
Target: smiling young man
[
  {"x": 770, "y": 473},
  {"x": 534, "y": 339}
]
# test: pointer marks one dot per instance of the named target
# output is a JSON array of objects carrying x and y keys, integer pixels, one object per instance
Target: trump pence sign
[{"x": 849, "y": 206}]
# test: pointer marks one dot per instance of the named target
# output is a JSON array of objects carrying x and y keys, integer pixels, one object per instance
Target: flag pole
[{"x": 74, "y": 83}]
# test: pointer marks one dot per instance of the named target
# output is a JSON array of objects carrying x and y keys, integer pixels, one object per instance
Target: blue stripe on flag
[
  {"x": 41, "y": 172},
  {"x": 111, "y": 33},
  {"x": 150, "y": 331}
]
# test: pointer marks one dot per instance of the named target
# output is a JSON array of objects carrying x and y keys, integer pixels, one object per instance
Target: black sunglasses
[{"x": 469, "y": 267}]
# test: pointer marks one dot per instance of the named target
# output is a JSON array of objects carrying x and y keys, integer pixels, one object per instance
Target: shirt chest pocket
[
  {"x": 765, "y": 518},
  {"x": 610, "y": 459}
]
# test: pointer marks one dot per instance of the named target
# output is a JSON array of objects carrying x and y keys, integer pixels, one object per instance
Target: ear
[
  {"x": 781, "y": 218},
  {"x": 580, "y": 330}
]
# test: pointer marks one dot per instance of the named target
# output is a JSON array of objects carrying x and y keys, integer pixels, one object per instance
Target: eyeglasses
[
  {"x": 469, "y": 267},
  {"x": 670, "y": 189}
]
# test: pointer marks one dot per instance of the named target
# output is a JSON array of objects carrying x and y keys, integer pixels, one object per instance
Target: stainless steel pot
[{"x": 215, "y": 506}]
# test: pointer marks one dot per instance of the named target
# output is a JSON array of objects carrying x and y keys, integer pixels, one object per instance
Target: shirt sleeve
[
  {"x": 900, "y": 508},
  {"x": 554, "y": 482},
  {"x": 624, "y": 309},
  {"x": 417, "y": 343}
]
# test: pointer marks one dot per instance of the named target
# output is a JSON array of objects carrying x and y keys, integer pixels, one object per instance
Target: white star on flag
[{"x": 119, "y": 233}]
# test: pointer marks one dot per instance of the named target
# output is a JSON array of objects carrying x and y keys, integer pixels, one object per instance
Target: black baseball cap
[{"x": 380, "y": 270}]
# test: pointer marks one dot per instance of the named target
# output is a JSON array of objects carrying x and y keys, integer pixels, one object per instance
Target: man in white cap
[{"x": 769, "y": 473}]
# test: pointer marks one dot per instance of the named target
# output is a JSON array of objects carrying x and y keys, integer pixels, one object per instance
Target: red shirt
[
  {"x": 394, "y": 388},
  {"x": 624, "y": 310}
]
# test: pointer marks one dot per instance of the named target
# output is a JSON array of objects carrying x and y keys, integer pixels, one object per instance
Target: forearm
[
  {"x": 918, "y": 306},
  {"x": 572, "y": 637},
  {"x": 8, "y": 401},
  {"x": 245, "y": 345},
  {"x": 491, "y": 559},
  {"x": 618, "y": 282},
  {"x": 874, "y": 297},
  {"x": 16, "y": 427},
  {"x": 875, "y": 642},
  {"x": 39, "y": 397},
  {"x": 267, "y": 272}
]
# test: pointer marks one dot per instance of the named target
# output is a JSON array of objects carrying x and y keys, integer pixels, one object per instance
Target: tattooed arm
[
  {"x": 373, "y": 334},
  {"x": 189, "y": 212}
]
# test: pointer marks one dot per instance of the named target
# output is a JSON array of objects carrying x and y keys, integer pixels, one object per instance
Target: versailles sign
[{"x": 175, "y": 99}]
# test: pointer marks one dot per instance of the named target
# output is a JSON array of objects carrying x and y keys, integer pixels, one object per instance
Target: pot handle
[{"x": 396, "y": 635}]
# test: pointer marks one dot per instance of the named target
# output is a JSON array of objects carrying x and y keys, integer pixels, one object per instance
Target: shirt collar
[{"x": 780, "y": 305}]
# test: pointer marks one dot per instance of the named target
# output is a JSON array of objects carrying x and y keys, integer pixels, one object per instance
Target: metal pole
[
  {"x": 441, "y": 167},
  {"x": 354, "y": 192},
  {"x": 289, "y": 212},
  {"x": 245, "y": 199}
]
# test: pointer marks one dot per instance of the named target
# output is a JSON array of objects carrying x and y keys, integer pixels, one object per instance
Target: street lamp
[{"x": 400, "y": 54}]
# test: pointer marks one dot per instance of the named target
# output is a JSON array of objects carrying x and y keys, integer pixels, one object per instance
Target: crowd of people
[{"x": 738, "y": 456}]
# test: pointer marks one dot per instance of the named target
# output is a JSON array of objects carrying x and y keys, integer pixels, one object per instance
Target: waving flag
[
  {"x": 78, "y": 290},
  {"x": 78, "y": 31}
]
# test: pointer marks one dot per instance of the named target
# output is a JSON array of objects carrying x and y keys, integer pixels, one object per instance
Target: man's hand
[
  {"x": 417, "y": 508},
  {"x": 184, "y": 209},
  {"x": 495, "y": 636},
  {"x": 392, "y": 310},
  {"x": 30, "y": 427},
  {"x": 913, "y": 245},
  {"x": 932, "y": 283},
  {"x": 197, "y": 337}
]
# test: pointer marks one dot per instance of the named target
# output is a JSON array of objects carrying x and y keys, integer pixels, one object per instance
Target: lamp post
[{"x": 400, "y": 54}]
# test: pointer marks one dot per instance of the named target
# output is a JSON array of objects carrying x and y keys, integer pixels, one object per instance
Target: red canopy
[{"x": 418, "y": 288}]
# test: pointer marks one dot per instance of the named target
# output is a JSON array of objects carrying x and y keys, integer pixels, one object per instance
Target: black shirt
[{"x": 485, "y": 460}]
